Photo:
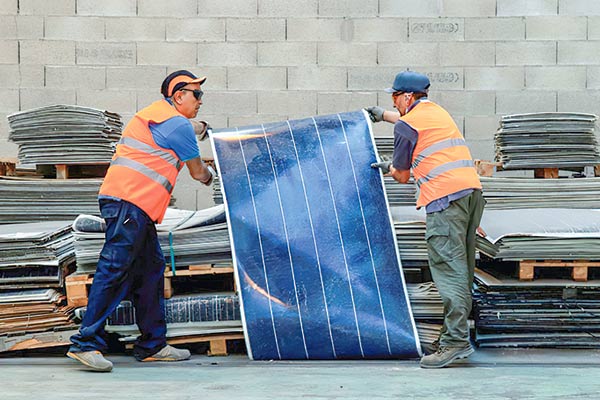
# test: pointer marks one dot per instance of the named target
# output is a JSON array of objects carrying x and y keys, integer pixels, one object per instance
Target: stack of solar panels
[
  {"x": 546, "y": 140},
  {"x": 35, "y": 255},
  {"x": 28, "y": 200},
  {"x": 385, "y": 146},
  {"x": 200, "y": 314},
  {"x": 508, "y": 193},
  {"x": 537, "y": 317},
  {"x": 64, "y": 134},
  {"x": 194, "y": 237},
  {"x": 550, "y": 233},
  {"x": 400, "y": 194},
  {"x": 409, "y": 224},
  {"x": 217, "y": 193}
]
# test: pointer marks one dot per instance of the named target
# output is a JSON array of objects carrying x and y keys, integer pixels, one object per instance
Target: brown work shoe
[
  {"x": 92, "y": 359},
  {"x": 169, "y": 353},
  {"x": 445, "y": 355}
]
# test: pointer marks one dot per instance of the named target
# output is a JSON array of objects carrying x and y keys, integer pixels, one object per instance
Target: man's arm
[
  {"x": 400, "y": 175},
  {"x": 199, "y": 171}
]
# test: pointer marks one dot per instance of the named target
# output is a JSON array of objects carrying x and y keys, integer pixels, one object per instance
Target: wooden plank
[
  {"x": 546, "y": 173},
  {"x": 218, "y": 348},
  {"x": 192, "y": 272},
  {"x": 62, "y": 171},
  {"x": 579, "y": 270}
]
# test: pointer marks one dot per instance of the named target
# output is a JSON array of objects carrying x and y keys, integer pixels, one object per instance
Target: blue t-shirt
[{"x": 176, "y": 134}]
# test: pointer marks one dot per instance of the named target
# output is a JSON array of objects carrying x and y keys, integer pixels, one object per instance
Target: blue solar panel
[{"x": 313, "y": 243}]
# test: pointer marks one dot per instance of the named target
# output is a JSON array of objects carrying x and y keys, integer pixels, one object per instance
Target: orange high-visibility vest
[
  {"x": 441, "y": 162},
  {"x": 141, "y": 172}
]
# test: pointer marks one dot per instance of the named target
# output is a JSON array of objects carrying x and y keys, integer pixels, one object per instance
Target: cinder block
[
  {"x": 314, "y": 29},
  {"x": 287, "y": 102},
  {"x": 586, "y": 101},
  {"x": 45, "y": 7},
  {"x": 229, "y": 102},
  {"x": 9, "y": 7},
  {"x": 578, "y": 7},
  {"x": 593, "y": 31},
  {"x": 443, "y": 78},
  {"x": 229, "y": 8},
  {"x": 9, "y": 76},
  {"x": 416, "y": 54},
  {"x": 494, "y": 78},
  {"x": 255, "y": 119},
  {"x": 556, "y": 78},
  {"x": 196, "y": 30},
  {"x": 410, "y": 8},
  {"x": 31, "y": 76},
  {"x": 468, "y": 54},
  {"x": 216, "y": 76},
  {"x": 287, "y": 53},
  {"x": 436, "y": 29},
  {"x": 8, "y": 27},
  {"x": 171, "y": 8},
  {"x": 146, "y": 97},
  {"x": 75, "y": 77},
  {"x": 481, "y": 149},
  {"x": 106, "y": 53},
  {"x": 30, "y": 27},
  {"x": 113, "y": 8},
  {"x": 217, "y": 121},
  {"x": 593, "y": 77},
  {"x": 481, "y": 127},
  {"x": 488, "y": 29},
  {"x": 9, "y": 52},
  {"x": 74, "y": 28},
  {"x": 47, "y": 52},
  {"x": 256, "y": 78},
  {"x": 348, "y": 8},
  {"x": 32, "y": 97},
  {"x": 370, "y": 78},
  {"x": 7, "y": 149},
  {"x": 525, "y": 102},
  {"x": 119, "y": 101},
  {"x": 545, "y": 28},
  {"x": 469, "y": 8},
  {"x": 255, "y": 30},
  {"x": 311, "y": 77},
  {"x": 135, "y": 29},
  {"x": 9, "y": 100},
  {"x": 517, "y": 8},
  {"x": 336, "y": 102},
  {"x": 135, "y": 77},
  {"x": 230, "y": 54},
  {"x": 379, "y": 29},
  {"x": 579, "y": 52},
  {"x": 467, "y": 103},
  {"x": 285, "y": 8},
  {"x": 162, "y": 53},
  {"x": 350, "y": 54},
  {"x": 526, "y": 53}
]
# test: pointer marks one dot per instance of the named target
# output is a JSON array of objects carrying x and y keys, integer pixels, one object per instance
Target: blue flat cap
[{"x": 410, "y": 81}]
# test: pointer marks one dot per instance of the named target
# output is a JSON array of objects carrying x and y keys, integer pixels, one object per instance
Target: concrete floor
[{"x": 488, "y": 374}]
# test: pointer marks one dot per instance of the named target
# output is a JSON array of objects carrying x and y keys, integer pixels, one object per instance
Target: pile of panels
[
  {"x": 28, "y": 199},
  {"x": 522, "y": 316},
  {"x": 385, "y": 146},
  {"x": 35, "y": 254},
  {"x": 550, "y": 233},
  {"x": 30, "y": 311},
  {"x": 409, "y": 225},
  {"x": 194, "y": 237},
  {"x": 64, "y": 134},
  {"x": 400, "y": 194},
  {"x": 507, "y": 193},
  {"x": 546, "y": 140}
]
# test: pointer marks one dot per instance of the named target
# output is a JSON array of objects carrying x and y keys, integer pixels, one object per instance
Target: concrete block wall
[{"x": 269, "y": 60}]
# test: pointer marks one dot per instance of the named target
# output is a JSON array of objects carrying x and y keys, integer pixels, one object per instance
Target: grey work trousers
[{"x": 451, "y": 247}]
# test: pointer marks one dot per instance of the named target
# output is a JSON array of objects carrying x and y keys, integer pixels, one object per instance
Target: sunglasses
[{"x": 197, "y": 92}]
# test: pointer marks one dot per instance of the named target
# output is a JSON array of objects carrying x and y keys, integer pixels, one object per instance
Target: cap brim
[
  {"x": 389, "y": 90},
  {"x": 198, "y": 80}
]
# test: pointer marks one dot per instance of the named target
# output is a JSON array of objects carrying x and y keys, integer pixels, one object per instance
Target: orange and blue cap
[{"x": 178, "y": 79}]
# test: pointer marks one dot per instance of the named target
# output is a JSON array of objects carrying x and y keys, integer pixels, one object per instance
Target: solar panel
[{"x": 312, "y": 240}]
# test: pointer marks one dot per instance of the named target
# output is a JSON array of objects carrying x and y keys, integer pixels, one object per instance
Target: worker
[
  {"x": 133, "y": 198},
  {"x": 428, "y": 142}
]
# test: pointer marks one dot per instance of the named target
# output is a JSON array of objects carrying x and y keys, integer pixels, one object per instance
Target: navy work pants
[{"x": 131, "y": 262}]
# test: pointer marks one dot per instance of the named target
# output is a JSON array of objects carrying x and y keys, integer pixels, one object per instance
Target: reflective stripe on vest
[
  {"x": 444, "y": 144},
  {"x": 444, "y": 168},
  {"x": 138, "y": 145},
  {"x": 142, "y": 169}
]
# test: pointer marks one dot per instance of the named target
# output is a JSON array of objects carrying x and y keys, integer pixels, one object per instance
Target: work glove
[
  {"x": 212, "y": 173},
  {"x": 375, "y": 113},
  {"x": 202, "y": 129},
  {"x": 383, "y": 165}
]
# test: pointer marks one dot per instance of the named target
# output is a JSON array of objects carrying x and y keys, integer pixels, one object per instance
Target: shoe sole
[
  {"x": 152, "y": 359},
  {"x": 75, "y": 357},
  {"x": 463, "y": 354}
]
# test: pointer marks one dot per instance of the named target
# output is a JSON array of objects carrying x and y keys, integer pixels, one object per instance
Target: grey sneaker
[
  {"x": 169, "y": 353},
  {"x": 445, "y": 355},
  {"x": 92, "y": 359}
]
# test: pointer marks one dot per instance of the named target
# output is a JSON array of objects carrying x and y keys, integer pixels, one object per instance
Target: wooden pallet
[
  {"x": 68, "y": 171},
  {"x": 77, "y": 286},
  {"x": 579, "y": 272},
  {"x": 8, "y": 167},
  {"x": 36, "y": 340},
  {"x": 552, "y": 173},
  {"x": 217, "y": 343}
]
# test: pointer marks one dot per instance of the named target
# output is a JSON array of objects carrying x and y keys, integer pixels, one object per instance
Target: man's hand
[
  {"x": 384, "y": 166},
  {"x": 212, "y": 173},
  {"x": 375, "y": 113},
  {"x": 201, "y": 128}
]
